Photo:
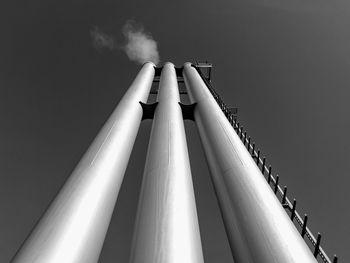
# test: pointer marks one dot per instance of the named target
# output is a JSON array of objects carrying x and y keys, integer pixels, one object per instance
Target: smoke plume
[
  {"x": 138, "y": 45},
  {"x": 101, "y": 40}
]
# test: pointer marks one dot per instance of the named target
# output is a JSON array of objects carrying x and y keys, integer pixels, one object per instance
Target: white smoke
[
  {"x": 138, "y": 45},
  {"x": 101, "y": 40}
]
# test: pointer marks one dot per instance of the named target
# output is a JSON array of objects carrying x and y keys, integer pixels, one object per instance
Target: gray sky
[{"x": 284, "y": 63}]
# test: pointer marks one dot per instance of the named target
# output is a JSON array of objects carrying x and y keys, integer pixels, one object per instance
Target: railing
[{"x": 273, "y": 181}]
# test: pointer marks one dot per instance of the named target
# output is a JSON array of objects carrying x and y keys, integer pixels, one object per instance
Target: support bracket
[
  {"x": 188, "y": 111},
  {"x": 148, "y": 110}
]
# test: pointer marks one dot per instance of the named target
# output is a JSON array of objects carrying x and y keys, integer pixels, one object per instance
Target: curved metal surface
[
  {"x": 166, "y": 228},
  {"x": 73, "y": 228},
  {"x": 257, "y": 226}
]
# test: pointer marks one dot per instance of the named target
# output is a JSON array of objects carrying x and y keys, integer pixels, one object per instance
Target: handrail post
[{"x": 317, "y": 246}]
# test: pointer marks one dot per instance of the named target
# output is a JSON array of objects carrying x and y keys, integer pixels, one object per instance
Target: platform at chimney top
[{"x": 199, "y": 65}]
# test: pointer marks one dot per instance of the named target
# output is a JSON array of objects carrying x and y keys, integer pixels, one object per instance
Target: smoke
[
  {"x": 138, "y": 45},
  {"x": 100, "y": 40}
]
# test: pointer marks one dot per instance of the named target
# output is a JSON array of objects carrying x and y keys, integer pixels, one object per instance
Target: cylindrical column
[
  {"x": 166, "y": 228},
  {"x": 257, "y": 226},
  {"x": 73, "y": 228}
]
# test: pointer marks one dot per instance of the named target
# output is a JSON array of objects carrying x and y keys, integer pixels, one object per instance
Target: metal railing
[{"x": 273, "y": 181}]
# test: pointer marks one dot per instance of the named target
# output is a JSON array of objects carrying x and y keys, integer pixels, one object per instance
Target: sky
[{"x": 284, "y": 64}]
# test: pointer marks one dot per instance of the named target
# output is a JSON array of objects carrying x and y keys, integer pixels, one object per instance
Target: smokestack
[
  {"x": 166, "y": 229},
  {"x": 73, "y": 228},
  {"x": 258, "y": 228}
]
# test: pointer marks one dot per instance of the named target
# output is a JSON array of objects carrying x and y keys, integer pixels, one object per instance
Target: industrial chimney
[{"x": 260, "y": 221}]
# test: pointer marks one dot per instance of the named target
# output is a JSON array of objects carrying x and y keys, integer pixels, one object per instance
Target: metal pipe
[
  {"x": 73, "y": 228},
  {"x": 166, "y": 227},
  {"x": 257, "y": 226}
]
